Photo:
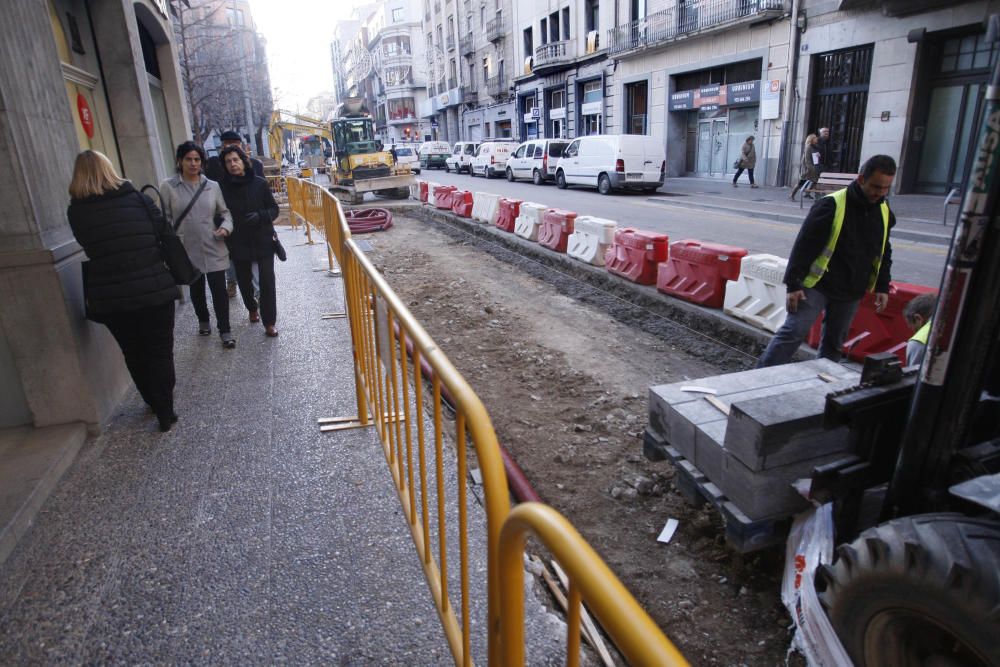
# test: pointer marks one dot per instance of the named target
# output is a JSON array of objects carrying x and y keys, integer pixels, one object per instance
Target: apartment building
[
  {"x": 488, "y": 60},
  {"x": 565, "y": 79}
]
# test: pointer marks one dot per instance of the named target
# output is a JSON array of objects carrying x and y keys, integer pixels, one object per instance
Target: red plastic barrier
[
  {"x": 509, "y": 210},
  {"x": 557, "y": 225},
  {"x": 423, "y": 191},
  {"x": 443, "y": 195},
  {"x": 873, "y": 332},
  {"x": 698, "y": 271},
  {"x": 635, "y": 254},
  {"x": 461, "y": 203}
]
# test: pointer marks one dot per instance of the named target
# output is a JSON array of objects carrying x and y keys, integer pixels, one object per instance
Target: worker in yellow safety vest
[
  {"x": 841, "y": 252},
  {"x": 917, "y": 313}
]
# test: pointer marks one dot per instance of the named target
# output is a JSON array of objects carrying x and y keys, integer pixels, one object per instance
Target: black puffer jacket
[
  {"x": 126, "y": 270},
  {"x": 244, "y": 195}
]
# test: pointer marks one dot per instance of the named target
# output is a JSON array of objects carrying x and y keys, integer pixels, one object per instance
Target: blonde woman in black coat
[{"x": 129, "y": 289}]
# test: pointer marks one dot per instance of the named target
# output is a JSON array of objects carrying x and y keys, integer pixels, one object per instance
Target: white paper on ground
[
  {"x": 700, "y": 390},
  {"x": 668, "y": 531}
]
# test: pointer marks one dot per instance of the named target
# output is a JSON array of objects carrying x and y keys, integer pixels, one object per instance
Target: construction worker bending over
[
  {"x": 841, "y": 252},
  {"x": 917, "y": 313}
]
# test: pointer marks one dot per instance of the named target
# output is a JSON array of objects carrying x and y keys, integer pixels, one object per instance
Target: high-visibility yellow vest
[
  {"x": 923, "y": 333},
  {"x": 821, "y": 263}
]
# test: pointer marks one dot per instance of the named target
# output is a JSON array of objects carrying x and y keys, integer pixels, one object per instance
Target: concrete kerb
[{"x": 748, "y": 342}]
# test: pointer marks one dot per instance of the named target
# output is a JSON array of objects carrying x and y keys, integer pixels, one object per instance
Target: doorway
[
  {"x": 839, "y": 103},
  {"x": 712, "y": 136}
]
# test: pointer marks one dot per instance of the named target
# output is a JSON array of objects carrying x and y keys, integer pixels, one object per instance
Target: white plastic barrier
[
  {"x": 485, "y": 207},
  {"x": 758, "y": 297},
  {"x": 415, "y": 190},
  {"x": 590, "y": 238},
  {"x": 430, "y": 192},
  {"x": 529, "y": 220}
]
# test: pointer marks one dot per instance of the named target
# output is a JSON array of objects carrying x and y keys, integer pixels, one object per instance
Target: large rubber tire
[
  {"x": 560, "y": 180},
  {"x": 604, "y": 184},
  {"x": 918, "y": 591},
  {"x": 510, "y": 175},
  {"x": 536, "y": 177}
]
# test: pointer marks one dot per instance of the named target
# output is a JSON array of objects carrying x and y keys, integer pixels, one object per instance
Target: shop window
[
  {"x": 636, "y": 105},
  {"x": 591, "y": 92}
]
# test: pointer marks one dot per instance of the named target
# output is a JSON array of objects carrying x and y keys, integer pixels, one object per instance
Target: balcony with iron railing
[
  {"x": 467, "y": 45},
  {"x": 452, "y": 83},
  {"x": 690, "y": 18},
  {"x": 551, "y": 55},
  {"x": 497, "y": 86},
  {"x": 469, "y": 93},
  {"x": 450, "y": 42},
  {"x": 494, "y": 29}
]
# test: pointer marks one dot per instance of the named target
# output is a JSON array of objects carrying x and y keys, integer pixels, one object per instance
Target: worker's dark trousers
[
  {"x": 146, "y": 338},
  {"x": 837, "y": 319},
  {"x": 268, "y": 297}
]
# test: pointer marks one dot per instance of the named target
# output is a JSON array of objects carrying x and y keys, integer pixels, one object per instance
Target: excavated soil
[{"x": 565, "y": 383}]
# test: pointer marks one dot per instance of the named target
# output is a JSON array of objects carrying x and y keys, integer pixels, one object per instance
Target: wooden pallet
[{"x": 742, "y": 533}]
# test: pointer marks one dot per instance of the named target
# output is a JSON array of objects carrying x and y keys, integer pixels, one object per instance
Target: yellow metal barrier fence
[{"x": 393, "y": 358}]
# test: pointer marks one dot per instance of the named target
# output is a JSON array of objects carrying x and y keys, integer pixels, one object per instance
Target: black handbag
[
  {"x": 279, "y": 250},
  {"x": 171, "y": 249}
]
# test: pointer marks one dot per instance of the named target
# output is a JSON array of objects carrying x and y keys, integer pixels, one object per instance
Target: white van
[
  {"x": 613, "y": 161},
  {"x": 536, "y": 160},
  {"x": 406, "y": 154},
  {"x": 461, "y": 157},
  {"x": 433, "y": 154},
  {"x": 491, "y": 158}
]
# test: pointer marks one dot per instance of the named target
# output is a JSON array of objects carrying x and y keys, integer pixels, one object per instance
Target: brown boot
[
  {"x": 254, "y": 316},
  {"x": 271, "y": 331}
]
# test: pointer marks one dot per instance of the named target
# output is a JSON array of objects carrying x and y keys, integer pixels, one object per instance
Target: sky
[{"x": 298, "y": 34}]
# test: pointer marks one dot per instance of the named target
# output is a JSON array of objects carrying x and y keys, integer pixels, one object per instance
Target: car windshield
[
  {"x": 404, "y": 151},
  {"x": 556, "y": 150}
]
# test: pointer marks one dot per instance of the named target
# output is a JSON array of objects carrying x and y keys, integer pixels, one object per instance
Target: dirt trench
[{"x": 565, "y": 383}]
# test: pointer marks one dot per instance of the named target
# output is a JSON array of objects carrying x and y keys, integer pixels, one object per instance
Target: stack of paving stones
[{"x": 772, "y": 435}]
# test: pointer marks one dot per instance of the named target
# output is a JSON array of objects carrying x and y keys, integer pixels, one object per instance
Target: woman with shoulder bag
[
  {"x": 192, "y": 203},
  {"x": 254, "y": 210},
  {"x": 808, "y": 165},
  {"x": 128, "y": 288},
  {"x": 747, "y": 160}
]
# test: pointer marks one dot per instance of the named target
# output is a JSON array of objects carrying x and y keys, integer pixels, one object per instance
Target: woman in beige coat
[
  {"x": 747, "y": 160},
  {"x": 203, "y": 227}
]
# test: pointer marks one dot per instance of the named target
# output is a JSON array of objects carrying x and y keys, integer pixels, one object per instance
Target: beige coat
[
  {"x": 207, "y": 251},
  {"x": 748, "y": 156}
]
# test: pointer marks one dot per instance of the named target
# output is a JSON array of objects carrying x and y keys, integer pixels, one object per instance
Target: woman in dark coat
[
  {"x": 129, "y": 289},
  {"x": 253, "y": 208}
]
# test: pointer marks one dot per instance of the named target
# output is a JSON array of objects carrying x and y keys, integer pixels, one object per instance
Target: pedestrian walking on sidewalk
[
  {"x": 127, "y": 287},
  {"x": 824, "y": 150},
  {"x": 842, "y": 251},
  {"x": 254, "y": 210},
  {"x": 747, "y": 160},
  {"x": 808, "y": 165},
  {"x": 194, "y": 205}
]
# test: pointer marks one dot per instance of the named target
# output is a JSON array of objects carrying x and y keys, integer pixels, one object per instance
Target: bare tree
[{"x": 217, "y": 55}]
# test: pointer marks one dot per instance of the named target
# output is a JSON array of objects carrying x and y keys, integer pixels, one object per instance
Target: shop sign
[
  {"x": 556, "y": 114},
  {"x": 86, "y": 117},
  {"x": 770, "y": 100},
  {"x": 590, "y": 108},
  {"x": 442, "y": 100},
  {"x": 530, "y": 117},
  {"x": 716, "y": 95}
]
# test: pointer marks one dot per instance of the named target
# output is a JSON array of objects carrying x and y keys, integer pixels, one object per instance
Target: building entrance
[{"x": 839, "y": 103}]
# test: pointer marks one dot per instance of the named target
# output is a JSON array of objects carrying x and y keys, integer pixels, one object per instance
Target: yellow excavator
[
  {"x": 360, "y": 163},
  {"x": 313, "y": 136}
]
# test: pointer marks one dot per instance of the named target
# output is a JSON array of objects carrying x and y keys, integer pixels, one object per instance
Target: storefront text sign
[
  {"x": 725, "y": 95},
  {"x": 590, "y": 108},
  {"x": 558, "y": 113}
]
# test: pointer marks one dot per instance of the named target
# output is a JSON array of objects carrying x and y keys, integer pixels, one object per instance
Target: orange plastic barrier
[
  {"x": 423, "y": 191},
  {"x": 635, "y": 254},
  {"x": 509, "y": 210},
  {"x": 873, "y": 332},
  {"x": 443, "y": 195},
  {"x": 461, "y": 203},
  {"x": 557, "y": 225},
  {"x": 698, "y": 271}
]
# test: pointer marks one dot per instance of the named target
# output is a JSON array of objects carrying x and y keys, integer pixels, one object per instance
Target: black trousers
[
  {"x": 740, "y": 171},
  {"x": 146, "y": 338},
  {"x": 268, "y": 298},
  {"x": 220, "y": 298}
]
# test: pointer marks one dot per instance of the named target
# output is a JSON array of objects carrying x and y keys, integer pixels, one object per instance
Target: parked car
[
  {"x": 536, "y": 160},
  {"x": 407, "y": 155},
  {"x": 461, "y": 157},
  {"x": 433, "y": 154},
  {"x": 613, "y": 161},
  {"x": 491, "y": 158}
]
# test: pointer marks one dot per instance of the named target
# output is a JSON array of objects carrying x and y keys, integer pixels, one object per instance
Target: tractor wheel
[{"x": 922, "y": 590}]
